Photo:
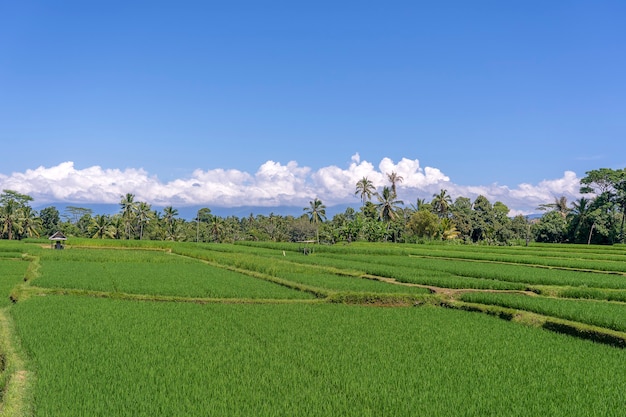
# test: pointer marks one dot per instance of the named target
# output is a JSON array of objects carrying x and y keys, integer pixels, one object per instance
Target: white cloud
[
  {"x": 526, "y": 197},
  {"x": 274, "y": 184}
]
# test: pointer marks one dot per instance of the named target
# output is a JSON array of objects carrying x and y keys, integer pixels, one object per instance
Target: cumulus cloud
[
  {"x": 273, "y": 184},
  {"x": 525, "y": 198}
]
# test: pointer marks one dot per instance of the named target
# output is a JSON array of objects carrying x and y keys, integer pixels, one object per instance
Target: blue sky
[{"x": 275, "y": 103}]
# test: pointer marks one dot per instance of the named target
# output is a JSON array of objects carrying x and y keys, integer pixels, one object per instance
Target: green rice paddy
[{"x": 260, "y": 329}]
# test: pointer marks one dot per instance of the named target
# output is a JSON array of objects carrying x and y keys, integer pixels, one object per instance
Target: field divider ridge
[
  {"x": 39, "y": 291},
  {"x": 345, "y": 297},
  {"x": 531, "y": 265},
  {"x": 15, "y": 378},
  {"x": 567, "y": 327},
  {"x": 317, "y": 292}
]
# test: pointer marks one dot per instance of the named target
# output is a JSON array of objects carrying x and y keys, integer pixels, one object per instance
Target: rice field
[
  {"x": 154, "y": 273},
  {"x": 149, "y": 359},
  {"x": 164, "y": 329},
  {"x": 12, "y": 272},
  {"x": 598, "y": 313}
]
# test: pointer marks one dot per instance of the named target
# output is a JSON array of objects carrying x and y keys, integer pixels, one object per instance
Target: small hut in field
[
  {"x": 306, "y": 249},
  {"x": 57, "y": 239}
]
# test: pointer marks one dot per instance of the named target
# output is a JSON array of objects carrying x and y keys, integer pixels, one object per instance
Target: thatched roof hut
[{"x": 56, "y": 240}]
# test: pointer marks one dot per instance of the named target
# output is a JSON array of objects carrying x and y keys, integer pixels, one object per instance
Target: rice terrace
[{"x": 147, "y": 328}]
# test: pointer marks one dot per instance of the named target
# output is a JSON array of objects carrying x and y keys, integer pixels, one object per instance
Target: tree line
[{"x": 598, "y": 218}]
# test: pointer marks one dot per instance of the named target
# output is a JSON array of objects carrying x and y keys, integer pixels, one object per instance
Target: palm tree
[
  {"x": 117, "y": 226},
  {"x": 365, "y": 189},
  {"x": 169, "y": 213},
  {"x": 217, "y": 227},
  {"x": 129, "y": 208},
  {"x": 100, "y": 227},
  {"x": 393, "y": 179},
  {"x": 387, "y": 204},
  {"x": 30, "y": 222},
  {"x": 441, "y": 203},
  {"x": 559, "y": 205},
  {"x": 579, "y": 213},
  {"x": 419, "y": 204},
  {"x": 158, "y": 226},
  {"x": 144, "y": 215},
  {"x": 317, "y": 214},
  {"x": 9, "y": 216}
]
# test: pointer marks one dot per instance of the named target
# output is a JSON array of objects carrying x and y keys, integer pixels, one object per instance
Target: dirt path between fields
[{"x": 447, "y": 292}]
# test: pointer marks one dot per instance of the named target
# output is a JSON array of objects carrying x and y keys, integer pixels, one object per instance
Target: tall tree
[
  {"x": 520, "y": 227},
  {"x": 9, "y": 216},
  {"x": 144, "y": 215},
  {"x": 483, "y": 218},
  {"x": 441, "y": 203},
  {"x": 602, "y": 217},
  {"x": 217, "y": 227},
  {"x": 117, "y": 226},
  {"x": 423, "y": 224},
  {"x": 364, "y": 189},
  {"x": 317, "y": 214},
  {"x": 129, "y": 208},
  {"x": 579, "y": 215},
  {"x": 620, "y": 199},
  {"x": 387, "y": 204},
  {"x": 169, "y": 215},
  {"x": 30, "y": 222},
  {"x": 599, "y": 181},
  {"x": 610, "y": 185},
  {"x": 394, "y": 179},
  {"x": 559, "y": 205},
  {"x": 550, "y": 228},
  {"x": 50, "y": 220},
  {"x": 73, "y": 214},
  {"x": 100, "y": 227},
  {"x": 462, "y": 215},
  {"x": 12, "y": 205},
  {"x": 501, "y": 223},
  {"x": 19, "y": 198},
  {"x": 82, "y": 225},
  {"x": 203, "y": 216}
]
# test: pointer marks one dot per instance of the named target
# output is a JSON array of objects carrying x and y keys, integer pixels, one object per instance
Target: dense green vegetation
[
  {"x": 599, "y": 218},
  {"x": 267, "y": 328}
]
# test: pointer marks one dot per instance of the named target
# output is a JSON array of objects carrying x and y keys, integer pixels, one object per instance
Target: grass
[
  {"x": 608, "y": 315},
  {"x": 176, "y": 277},
  {"x": 258, "y": 328},
  {"x": 314, "y": 360},
  {"x": 326, "y": 279},
  {"x": 12, "y": 272}
]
